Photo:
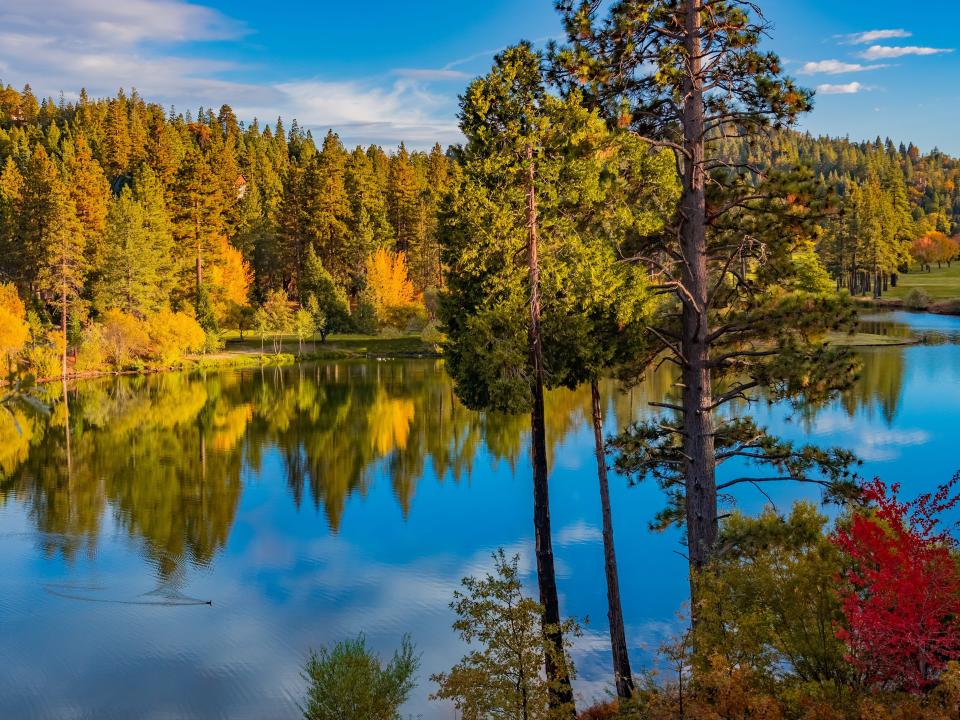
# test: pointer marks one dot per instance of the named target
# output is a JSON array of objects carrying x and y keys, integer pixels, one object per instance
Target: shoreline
[
  {"x": 937, "y": 307},
  {"x": 389, "y": 349}
]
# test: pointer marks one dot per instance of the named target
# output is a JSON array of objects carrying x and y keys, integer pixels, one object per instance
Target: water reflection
[
  {"x": 165, "y": 453},
  {"x": 309, "y": 503}
]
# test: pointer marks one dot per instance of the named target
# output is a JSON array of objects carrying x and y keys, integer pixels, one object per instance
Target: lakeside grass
[
  {"x": 868, "y": 340},
  {"x": 940, "y": 283},
  {"x": 336, "y": 346}
]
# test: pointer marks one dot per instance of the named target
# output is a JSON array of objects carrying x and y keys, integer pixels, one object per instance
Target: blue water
[{"x": 318, "y": 503}]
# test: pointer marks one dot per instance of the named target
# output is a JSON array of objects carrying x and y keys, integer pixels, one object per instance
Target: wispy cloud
[
  {"x": 844, "y": 89},
  {"x": 428, "y": 74},
  {"x": 884, "y": 52},
  {"x": 835, "y": 67},
  {"x": 869, "y": 36},
  {"x": 363, "y": 111},
  {"x": 102, "y": 45},
  {"x": 109, "y": 22}
]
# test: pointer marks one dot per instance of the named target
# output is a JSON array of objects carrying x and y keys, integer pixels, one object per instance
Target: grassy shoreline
[
  {"x": 942, "y": 286},
  {"x": 247, "y": 353}
]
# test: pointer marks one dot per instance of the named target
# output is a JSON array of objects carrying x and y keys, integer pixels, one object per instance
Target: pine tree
[
  {"x": 492, "y": 306},
  {"x": 737, "y": 321},
  {"x": 34, "y": 215},
  {"x": 331, "y": 301},
  {"x": 135, "y": 257},
  {"x": 11, "y": 197},
  {"x": 328, "y": 206},
  {"x": 90, "y": 193},
  {"x": 64, "y": 261},
  {"x": 198, "y": 213},
  {"x": 117, "y": 137},
  {"x": 402, "y": 199}
]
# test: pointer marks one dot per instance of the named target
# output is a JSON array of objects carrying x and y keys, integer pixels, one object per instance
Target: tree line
[{"x": 117, "y": 205}]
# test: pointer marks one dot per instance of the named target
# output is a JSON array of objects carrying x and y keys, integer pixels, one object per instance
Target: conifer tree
[
  {"x": 11, "y": 197},
  {"x": 117, "y": 137},
  {"x": 330, "y": 299},
  {"x": 737, "y": 322},
  {"x": 198, "y": 213},
  {"x": 34, "y": 215},
  {"x": 64, "y": 260},
  {"x": 131, "y": 277},
  {"x": 90, "y": 193},
  {"x": 492, "y": 306},
  {"x": 402, "y": 199},
  {"x": 328, "y": 206}
]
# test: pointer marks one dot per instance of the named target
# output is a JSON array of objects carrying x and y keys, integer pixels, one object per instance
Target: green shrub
[
  {"x": 91, "y": 355},
  {"x": 125, "y": 338},
  {"x": 433, "y": 336},
  {"x": 917, "y": 299},
  {"x": 364, "y": 316},
  {"x": 349, "y": 682},
  {"x": 45, "y": 354}
]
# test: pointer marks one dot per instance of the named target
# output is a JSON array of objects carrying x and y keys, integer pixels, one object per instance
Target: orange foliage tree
[
  {"x": 13, "y": 323},
  {"x": 230, "y": 278},
  {"x": 388, "y": 280},
  {"x": 934, "y": 247}
]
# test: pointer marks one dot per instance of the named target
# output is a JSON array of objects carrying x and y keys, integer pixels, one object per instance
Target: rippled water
[{"x": 178, "y": 557}]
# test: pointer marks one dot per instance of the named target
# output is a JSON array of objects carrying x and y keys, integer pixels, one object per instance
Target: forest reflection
[{"x": 163, "y": 458}]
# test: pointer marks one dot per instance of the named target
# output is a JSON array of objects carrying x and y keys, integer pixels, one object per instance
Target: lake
[{"x": 200, "y": 532}]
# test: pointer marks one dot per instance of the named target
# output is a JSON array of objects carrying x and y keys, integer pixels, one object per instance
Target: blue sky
[{"x": 382, "y": 71}]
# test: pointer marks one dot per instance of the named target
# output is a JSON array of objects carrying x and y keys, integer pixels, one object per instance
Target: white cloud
[
  {"x": 103, "y": 45},
  {"x": 883, "y": 52},
  {"x": 884, "y": 445},
  {"x": 362, "y": 111},
  {"x": 111, "y": 22},
  {"x": 869, "y": 36},
  {"x": 431, "y": 74},
  {"x": 835, "y": 67},
  {"x": 579, "y": 533},
  {"x": 845, "y": 89}
]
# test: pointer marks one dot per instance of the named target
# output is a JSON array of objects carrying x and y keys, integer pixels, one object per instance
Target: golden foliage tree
[
  {"x": 14, "y": 331},
  {"x": 391, "y": 289}
]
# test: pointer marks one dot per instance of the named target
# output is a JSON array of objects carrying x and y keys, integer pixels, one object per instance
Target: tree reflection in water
[{"x": 164, "y": 457}]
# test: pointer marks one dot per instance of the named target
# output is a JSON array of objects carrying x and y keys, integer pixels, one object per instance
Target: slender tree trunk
[
  {"x": 63, "y": 328},
  {"x": 196, "y": 216},
  {"x": 561, "y": 692},
  {"x": 623, "y": 676},
  {"x": 66, "y": 429},
  {"x": 698, "y": 424}
]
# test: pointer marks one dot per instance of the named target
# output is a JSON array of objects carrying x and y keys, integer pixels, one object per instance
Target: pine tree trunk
[
  {"x": 561, "y": 692},
  {"x": 623, "y": 676},
  {"x": 196, "y": 216},
  {"x": 698, "y": 425},
  {"x": 66, "y": 429},
  {"x": 63, "y": 327}
]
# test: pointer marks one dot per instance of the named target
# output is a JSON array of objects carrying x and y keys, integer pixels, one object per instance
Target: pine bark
[
  {"x": 623, "y": 676},
  {"x": 698, "y": 424},
  {"x": 63, "y": 325},
  {"x": 561, "y": 692}
]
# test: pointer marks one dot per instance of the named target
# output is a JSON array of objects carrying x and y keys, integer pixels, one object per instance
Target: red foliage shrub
[
  {"x": 600, "y": 711},
  {"x": 901, "y": 603}
]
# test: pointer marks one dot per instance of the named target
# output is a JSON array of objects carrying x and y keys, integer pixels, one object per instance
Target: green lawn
[
  {"x": 867, "y": 340},
  {"x": 940, "y": 283},
  {"x": 405, "y": 345}
]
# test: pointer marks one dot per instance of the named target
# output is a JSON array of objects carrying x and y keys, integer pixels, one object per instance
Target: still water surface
[{"x": 311, "y": 503}]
